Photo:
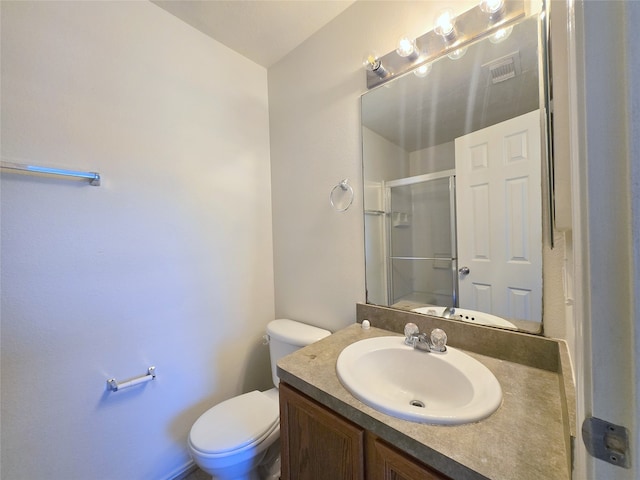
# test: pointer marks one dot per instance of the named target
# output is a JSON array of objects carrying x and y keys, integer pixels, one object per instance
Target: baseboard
[{"x": 183, "y": 472}]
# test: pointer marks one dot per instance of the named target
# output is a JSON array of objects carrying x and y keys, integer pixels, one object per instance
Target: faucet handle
[
  {"x": 411, "y": 331},
  {"x": 438, "y": 340}
]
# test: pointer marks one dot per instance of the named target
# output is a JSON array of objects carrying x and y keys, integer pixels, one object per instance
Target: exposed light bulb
[
  {"x": 407, "y": 47},
  {"x": 445, "y": 25},
  {"x": 423, "y": 70},
  {"x": 458, "y": 53},
  {"x": 501, "y": 35},
  {"x": 494, "y": 8},
  {"x": 491, "y": 6},
  {"x": 372, "y": 63}
]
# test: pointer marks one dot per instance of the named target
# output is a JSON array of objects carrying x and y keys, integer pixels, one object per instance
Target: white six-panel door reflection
[{"x": 499, "y": 203}]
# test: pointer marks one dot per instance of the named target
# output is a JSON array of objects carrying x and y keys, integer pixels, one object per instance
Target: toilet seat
[{"x": 234, "y": 425}]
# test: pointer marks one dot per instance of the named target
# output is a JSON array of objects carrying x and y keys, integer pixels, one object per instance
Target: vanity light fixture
[
  {"x": 372, "y": 63},
  {"x": 445, "y": 26},
  {"x": 407, "y": 48},
  {"x": 501, "y": 35},
  {"x": 493, "y": 8},
  {"x": 423, "y": 70},
  {"x": 452, "y": 32}
]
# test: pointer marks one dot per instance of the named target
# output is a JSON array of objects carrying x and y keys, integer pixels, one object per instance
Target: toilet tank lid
[{"x": 295, "y": 333}]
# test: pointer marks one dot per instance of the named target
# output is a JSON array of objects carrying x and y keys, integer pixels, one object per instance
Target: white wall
[
  {"x": 168, "y": 263},
  {"x": 433, "y": 159},
  {"x": 385, "y": 160},
  {"x": 605, "y": 170},
  {"x": 378, "y": 150}
]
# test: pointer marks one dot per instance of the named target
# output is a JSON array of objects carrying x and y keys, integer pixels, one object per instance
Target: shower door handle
[{"x": 464, "y": 270}]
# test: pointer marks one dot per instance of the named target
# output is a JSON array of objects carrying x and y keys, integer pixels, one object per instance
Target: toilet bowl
[
  {"x": 238, "y": 438},
  {"x": 230, "y": 440}
]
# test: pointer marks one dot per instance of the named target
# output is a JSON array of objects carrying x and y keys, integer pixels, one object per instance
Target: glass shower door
[{"x": 422, "y": 241}]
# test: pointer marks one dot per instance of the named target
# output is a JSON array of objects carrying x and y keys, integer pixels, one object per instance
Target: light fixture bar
[{"x": 469, "y": 26}]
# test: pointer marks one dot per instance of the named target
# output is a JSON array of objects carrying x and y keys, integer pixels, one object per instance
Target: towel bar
[
  {"x": 93, "y": 177},
  {"x": 114, "y": 386}
]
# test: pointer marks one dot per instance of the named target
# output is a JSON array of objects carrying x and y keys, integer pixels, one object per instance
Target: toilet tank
[{"x": 287, "y": 336}]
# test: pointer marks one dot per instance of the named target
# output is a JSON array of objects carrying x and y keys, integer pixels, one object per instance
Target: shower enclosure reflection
[{"x": 420, "y": 259}]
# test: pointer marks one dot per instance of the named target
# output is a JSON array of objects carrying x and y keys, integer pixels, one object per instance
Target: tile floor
[{"x": 197, "y": 475}]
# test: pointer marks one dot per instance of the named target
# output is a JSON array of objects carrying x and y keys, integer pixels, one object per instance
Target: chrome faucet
[
  {"x": 448, "y": 312},
  {"x": 436, "y": 342}
]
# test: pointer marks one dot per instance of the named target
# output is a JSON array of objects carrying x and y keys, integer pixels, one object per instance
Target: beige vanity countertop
[{"x": 522, "y": 440}]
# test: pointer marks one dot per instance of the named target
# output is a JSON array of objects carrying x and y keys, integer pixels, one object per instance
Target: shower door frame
[{"x": 408, "y": 181}]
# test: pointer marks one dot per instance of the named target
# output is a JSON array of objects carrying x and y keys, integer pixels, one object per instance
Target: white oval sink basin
[
  {"x": 470, "y": 316},
  {"x": 449, "y": 388}
]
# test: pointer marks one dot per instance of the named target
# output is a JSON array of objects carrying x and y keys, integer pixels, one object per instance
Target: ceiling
[{"x": 264, "y": 31}]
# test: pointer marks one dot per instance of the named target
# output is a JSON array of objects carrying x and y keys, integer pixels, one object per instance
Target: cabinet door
[
  {"x": 316, "y": 443},
  {"x": 386, "y": 463}
]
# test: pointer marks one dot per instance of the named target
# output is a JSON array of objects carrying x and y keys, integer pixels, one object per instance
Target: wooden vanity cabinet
[
  {"x": 318, "y": 444},
  {"x": 385, "y": 462}
]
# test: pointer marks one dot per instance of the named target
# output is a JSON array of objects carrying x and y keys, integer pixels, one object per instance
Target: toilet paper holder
[{"x": 114, "y": 386}]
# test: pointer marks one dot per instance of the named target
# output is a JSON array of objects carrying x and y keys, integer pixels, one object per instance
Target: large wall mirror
[{"x": 454, "y": 159}]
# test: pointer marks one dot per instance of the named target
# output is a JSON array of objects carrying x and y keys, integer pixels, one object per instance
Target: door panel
[{"x": 499, "y": 201}]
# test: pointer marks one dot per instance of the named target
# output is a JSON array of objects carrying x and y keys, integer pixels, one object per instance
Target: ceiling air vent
[{"x": 503, "y": 68}]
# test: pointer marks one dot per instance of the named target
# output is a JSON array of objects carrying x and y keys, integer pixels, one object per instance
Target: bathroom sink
[
  {"x": 470, "y": 316},
  {"x": 449, "y": 388}
]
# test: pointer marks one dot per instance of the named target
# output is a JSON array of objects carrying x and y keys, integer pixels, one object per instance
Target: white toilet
[{"x": 231, "y": 440}]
